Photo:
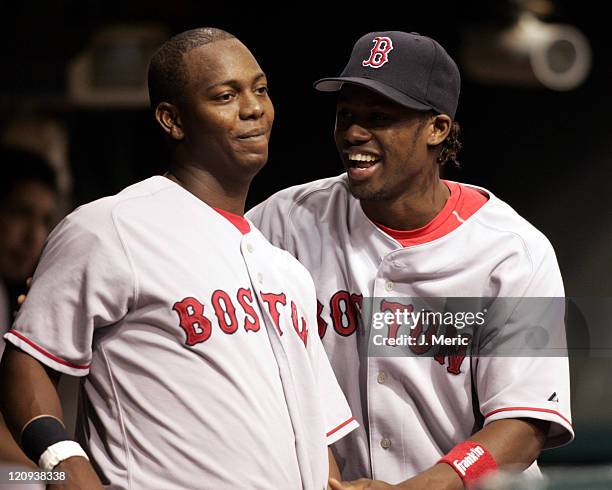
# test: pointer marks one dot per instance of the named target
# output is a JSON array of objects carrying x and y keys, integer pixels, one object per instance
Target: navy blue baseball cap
[{"x": 410, "y": 69}]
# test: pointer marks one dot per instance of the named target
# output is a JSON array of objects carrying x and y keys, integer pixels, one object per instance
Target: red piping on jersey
[
  {"x": 530, "y": 409},
  {"x": 47, "y": 354},
  {"x": 339, "y": 427},
  {"x": 238, "y": 221}
]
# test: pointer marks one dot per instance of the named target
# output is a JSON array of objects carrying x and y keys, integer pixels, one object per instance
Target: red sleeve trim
[
  {"x": 340, "y": 427},
  {"x": 47, "y": 354},
  {"x": 515, "y": 409}
]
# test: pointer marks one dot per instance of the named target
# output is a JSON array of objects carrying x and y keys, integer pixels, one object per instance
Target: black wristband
[{"x": 41, "y": 433}]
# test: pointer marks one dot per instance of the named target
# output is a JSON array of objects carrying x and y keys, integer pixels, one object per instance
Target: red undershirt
[
  {"x": 462, "y": 203},
  {"x": 238, "y": 221}
]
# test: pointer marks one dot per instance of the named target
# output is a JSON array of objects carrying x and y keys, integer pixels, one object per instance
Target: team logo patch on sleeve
[{"x": 379, "y": 54}]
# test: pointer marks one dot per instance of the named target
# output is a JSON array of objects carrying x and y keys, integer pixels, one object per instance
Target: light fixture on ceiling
[
  {"x": 111, "y": 72},
  {"x": 528, "y": 52}
]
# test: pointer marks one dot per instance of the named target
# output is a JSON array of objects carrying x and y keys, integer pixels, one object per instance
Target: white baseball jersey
[
  {"x": 413, "y": 410},
  {"x": 198, "y": 342}
]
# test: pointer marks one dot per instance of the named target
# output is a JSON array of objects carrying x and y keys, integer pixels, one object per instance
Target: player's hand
[
  {"x": 22, "y": 297},
  {"x": 361, "y": 484},
  {"x": 80, "y": 476}
]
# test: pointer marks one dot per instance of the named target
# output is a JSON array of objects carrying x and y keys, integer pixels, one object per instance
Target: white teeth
[{"x": 362, "y": 157}]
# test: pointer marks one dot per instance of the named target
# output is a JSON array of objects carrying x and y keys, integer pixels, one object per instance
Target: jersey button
[
  {"x": 381, "y": 377},
  {"x": 385, "y": 443},
  {"x": 260, "y": 278},
  {"x": 389, "y": 286},
  {"x": 250, "y": 248}
]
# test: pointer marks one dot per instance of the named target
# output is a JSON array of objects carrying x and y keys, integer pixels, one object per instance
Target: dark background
[{"x": 547, "y": 153}]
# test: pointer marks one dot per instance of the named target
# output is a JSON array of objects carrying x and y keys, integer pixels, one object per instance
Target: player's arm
[
  {"x": 334, "y": 471},
  {"x": 27, "y": 392},
  {"x": 514, "y": 443},
  {"x": 9, "y": 450}
]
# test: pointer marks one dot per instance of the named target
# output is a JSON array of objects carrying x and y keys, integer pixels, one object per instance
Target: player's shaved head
[{"x": 167, "y": 76}]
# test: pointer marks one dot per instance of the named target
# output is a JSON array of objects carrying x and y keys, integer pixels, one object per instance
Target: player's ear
[
  {"x": 167, "y": 115},
  {"x": 439, "y": 128}
]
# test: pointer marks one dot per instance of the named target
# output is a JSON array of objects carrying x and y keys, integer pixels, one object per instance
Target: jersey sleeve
[
  {"x": 273, "y": 218},
  {"x": 531, "y": 385},
  {"x": 339, "y": 420},
  {"x": 83, "y": 282}
]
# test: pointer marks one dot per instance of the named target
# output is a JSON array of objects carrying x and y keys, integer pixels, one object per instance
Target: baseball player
[
  {"x": 195, "y": 337},
  {"x": 390, "y": 227}
]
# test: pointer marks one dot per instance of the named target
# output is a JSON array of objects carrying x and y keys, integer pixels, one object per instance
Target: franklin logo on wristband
[{"x": 470, "y": 460}]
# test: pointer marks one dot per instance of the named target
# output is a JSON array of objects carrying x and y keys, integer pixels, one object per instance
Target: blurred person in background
[{"x": 28, "y": 204}]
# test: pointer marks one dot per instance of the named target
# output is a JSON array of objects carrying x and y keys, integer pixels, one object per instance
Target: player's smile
[
  {"x": 255, "y": 139},
  {"x": 361, "y": 164},
  {"x": 253, "y": 133}
]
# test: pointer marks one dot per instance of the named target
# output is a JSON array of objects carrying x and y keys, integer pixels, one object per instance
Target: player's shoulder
[
  {"x": 299, "y": 210},
  {"x": 314, "y": 189},
  {"x": 499, "y": 219},
  {"x": 99, "y": 216},
  {"x": 309, "y": 193}
]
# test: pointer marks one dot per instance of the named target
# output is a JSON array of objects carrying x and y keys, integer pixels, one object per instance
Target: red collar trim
[
  {"x": 463, "y": 202},
  {"x": 419, "y": 235},
  {"x": 238, "y": 221}
]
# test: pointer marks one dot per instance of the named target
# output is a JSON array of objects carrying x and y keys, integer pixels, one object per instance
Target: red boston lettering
[
  {"x": 393, "y": 307},
  {"x": 251, "y": 320},
  {"x": 272, "y": 300},
  {"x": 343, "y": 312},
  {"x": 192, "y": 320},
  {"x": 225, "y": 311},
  {"x": 423, "y": 339},
  {"x": 456, "y": 354},
  {"x": 302, "y": 332}
]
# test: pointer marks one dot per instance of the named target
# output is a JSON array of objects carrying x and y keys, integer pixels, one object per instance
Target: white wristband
[{"x": 58, "y": 452}]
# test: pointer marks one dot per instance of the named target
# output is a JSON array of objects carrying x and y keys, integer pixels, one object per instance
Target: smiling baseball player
[
  {"x": 390, "y": 227},
  {"x": 196, "y": 338}
]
